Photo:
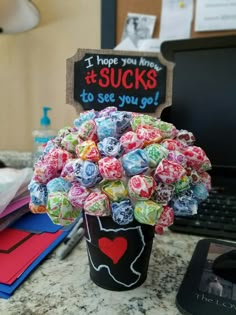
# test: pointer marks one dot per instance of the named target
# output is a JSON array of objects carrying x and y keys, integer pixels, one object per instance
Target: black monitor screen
[{"x": 204, "y": 94}]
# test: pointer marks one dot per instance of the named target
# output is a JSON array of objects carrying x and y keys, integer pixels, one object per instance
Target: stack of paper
[
  {"x": 14, "y": 194},
  {"x": 14, "y": 211}
]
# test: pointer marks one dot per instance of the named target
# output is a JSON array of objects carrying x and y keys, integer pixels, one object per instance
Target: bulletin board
[{"x": 114, "y": 14}]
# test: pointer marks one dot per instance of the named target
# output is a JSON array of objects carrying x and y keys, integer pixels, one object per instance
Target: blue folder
[{"x": 34, "y": 223}]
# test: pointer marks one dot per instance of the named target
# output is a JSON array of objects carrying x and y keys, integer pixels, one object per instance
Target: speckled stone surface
[
  {"x": 16, "y": 159},
  {"x": 63, "y": 287}
]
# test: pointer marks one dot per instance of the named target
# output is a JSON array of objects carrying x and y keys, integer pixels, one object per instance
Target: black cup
[{"x": 118, "y": 255}]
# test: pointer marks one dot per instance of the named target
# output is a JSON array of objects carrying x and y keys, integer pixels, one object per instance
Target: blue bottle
[{"x": 43, "y": 134}]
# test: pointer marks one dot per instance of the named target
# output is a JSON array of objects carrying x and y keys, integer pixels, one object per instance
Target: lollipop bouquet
[{"x": 129, "y": 174}]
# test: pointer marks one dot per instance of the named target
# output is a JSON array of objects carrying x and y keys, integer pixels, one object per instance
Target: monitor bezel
[{"x": 169, "y": 48}]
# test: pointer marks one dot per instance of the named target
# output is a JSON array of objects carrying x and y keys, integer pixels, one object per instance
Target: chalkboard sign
[{"x": 137, "y": 82}]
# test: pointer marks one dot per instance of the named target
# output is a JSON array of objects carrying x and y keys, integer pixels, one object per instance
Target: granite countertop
[
  {"x": 16, "y": 159},
  {"x": 63, "y": 287}
]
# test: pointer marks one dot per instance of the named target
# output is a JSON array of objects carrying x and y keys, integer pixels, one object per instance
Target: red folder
[{"x": 18, "y": 249}]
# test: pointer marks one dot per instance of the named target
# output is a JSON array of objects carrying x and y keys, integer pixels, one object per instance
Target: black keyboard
[{"x": 216, "y": 218}]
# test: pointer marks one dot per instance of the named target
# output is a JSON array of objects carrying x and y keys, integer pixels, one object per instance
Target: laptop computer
[{"x": 204, "y": 102}]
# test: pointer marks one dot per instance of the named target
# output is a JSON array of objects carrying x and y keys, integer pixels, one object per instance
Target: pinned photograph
[
  {"x": 211, "y": 283},
  {"x": 138, "y": 27}
]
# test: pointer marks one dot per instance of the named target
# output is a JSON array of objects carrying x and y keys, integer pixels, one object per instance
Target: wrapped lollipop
[
  {"x": 166, "y": 219},
  {"x": 131, "y": 141},
  {"x": 168, "y": 130},
  {"x": 197, "y": 158},
  {"x": 105, "y": 128},
  {"x": 135, "y": 162},
  {"x": 106, "y": 112},
  {"x": 142, "y": 120},
  {"x": 110, "y": 146},
  {"x": 87, "y": 150},
  {"x": 141, "y": 187},
  {"x": 38, "y": 196},
  {"x": 169, "y": 172},
  {"x": 88, "y": 130},
  {"x": 185, "y": 137},
  {"x": 86, "y": 173},
  {"x": 129, "y": 167},
  {"x": 147, "y": 212},
  {"x": 148, "y": 134},
  {"x": 97, "y": 204},
  {"x": 83, "y": 117},
  {"x": 116, "y": 190},
  {"x": 110, "y": 168},
  {"x": 60, "y": 210},
  {"x": 70, "y": 141},
  {"x": 122, "y": 121},
  {"x": 122, "y": 212},
  {"x": 57, "y": 158},
  {"x": 155, "y": 153},
  {"x": 77, "y": 195},
  {"x": 184, "y": 204}
]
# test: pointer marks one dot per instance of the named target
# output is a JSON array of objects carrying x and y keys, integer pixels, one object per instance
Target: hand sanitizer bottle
[{"x": 42, "y": 135}]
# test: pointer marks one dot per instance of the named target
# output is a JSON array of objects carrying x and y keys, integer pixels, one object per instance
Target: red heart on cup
[{"x": 114, "y": 249}]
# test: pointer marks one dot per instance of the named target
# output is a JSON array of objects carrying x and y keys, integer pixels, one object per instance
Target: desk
[
  {"x": 64, "y": 287},
  {"x": 16, "y": 159}
]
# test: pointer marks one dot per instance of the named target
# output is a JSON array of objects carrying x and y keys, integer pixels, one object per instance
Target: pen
[
  {"x": 73, "y": 230},
  {"x": 72, "y": 239}
]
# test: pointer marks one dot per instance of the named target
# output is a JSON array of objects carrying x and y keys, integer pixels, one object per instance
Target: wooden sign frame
[{"x": 79, "y": 55}]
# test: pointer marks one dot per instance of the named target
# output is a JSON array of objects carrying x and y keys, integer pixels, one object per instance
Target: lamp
[{"x": 17, "y": 16}]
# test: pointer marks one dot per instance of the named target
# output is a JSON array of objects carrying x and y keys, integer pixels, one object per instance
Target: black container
[{"x": 118, "y": 255}]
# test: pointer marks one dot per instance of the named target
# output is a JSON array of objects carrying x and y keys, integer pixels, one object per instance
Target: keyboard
[{"x": 216, "y": 217}]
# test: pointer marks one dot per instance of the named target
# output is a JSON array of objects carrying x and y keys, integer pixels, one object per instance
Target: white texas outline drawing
[{"x": 107, "y": 267}]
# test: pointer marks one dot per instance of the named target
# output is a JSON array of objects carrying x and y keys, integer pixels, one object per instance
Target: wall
[{"x": 32, "y": 68}]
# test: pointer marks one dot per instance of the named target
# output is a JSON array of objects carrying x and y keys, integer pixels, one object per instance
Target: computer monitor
[{"x": 204, "y": 95}]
